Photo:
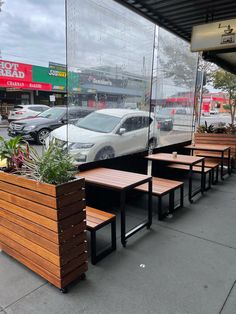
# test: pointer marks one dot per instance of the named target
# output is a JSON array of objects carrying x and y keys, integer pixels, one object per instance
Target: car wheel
[
  {"x": 152, "y": 143},
  {"x": 105, "y": 153},
  {"x": 42, "y": 135}
]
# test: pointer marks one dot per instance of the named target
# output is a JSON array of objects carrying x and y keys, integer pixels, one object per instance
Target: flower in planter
[{"x": 13, "y": 152}]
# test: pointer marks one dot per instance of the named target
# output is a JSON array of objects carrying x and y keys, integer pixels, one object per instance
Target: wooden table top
[
  {"x": 210, "y": 147},
  {"x": 115, "y": 179},
  {"x": 180, "y": 159}
]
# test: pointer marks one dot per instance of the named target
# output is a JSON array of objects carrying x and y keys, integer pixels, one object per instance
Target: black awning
[{"x": 179, "y": 16}]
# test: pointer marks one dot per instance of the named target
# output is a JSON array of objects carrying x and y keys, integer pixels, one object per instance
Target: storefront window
[{"x": 109, "y": 57}]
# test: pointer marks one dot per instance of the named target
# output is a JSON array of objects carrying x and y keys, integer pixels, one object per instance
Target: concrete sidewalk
[{"x": 186, "y": 264}]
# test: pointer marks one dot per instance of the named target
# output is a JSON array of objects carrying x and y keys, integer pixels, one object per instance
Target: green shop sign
[{"x": 47, "y": 75}]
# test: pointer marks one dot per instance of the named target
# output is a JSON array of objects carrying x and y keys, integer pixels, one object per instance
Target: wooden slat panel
[
  {"x": 29, "y": 194},
  {"x": 35, "y": 207},
  {"x": 73, "y": 242},
  {"x": 67, "y": 256},
  {"x": 71, "y": 209},
  {"x": 72, "y": 232},
  {"x": 74, "y": 264},
  {"x": 44, "y": 188},
  {"x": 74, "y": 275},
  {"x": 113, "y": 178},
  {"x": 99, "y": 213},
  {"x": 66, "y": 188},
  {"x": 30, "y": 255},
  {"x": 185, "y": 167},
  {"x": 21, "y": 181},
  {"x": 71, "y": 221},
  {"x": 37, "y": 239},
  {"x": 71, "y": 198},
  {"x": 41, "y": 220},
  {"x": 31, "y": 265},
  {"x": 21, "y": 221},
  {"x": 53, "y": 258}
]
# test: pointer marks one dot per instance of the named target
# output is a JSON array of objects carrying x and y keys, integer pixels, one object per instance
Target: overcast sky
[{"x": 33, "y": 31}]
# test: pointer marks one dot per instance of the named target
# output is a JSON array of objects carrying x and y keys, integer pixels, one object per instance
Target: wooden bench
[
  {"x": 95, "y": 220},
  {"x": 223, "y": 139},
  {"x": 161, "y": 187},
  {"x": 214, "y": 165},
  {"x": 196, "y": 169}
]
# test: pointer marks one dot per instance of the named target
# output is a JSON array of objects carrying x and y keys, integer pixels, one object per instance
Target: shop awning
[{"x": 179, "y": 16}]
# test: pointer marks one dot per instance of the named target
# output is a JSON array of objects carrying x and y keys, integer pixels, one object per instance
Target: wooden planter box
[
  {"x": 43, "y": 227},
  {"x": 222, "y": 139}
]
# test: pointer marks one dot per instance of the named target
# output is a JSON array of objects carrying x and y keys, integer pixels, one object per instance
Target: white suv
[
  {"x": 26, "y": 111},
  {"x": 107, "y": 133}
]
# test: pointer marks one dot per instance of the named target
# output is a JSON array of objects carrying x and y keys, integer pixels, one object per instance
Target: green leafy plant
[
  {"x": 14, "y": 151},
  {"x": 231, "y": 128},
  {"x": 55, "y": 166},
  {"x": 204, "y": 128}
]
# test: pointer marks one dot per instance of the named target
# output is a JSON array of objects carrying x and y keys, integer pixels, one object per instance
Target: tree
[{"x": 226, "y": 81}]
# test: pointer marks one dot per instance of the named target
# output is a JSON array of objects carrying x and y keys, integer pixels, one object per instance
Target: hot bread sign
[
  {"x": 19, "y": 75},
  {"x": 16, "y": 71}
]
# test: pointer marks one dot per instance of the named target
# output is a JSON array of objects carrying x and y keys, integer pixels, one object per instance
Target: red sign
[
  {"x": 24, "y": 85},
  {"x": 15, "y": 71}
]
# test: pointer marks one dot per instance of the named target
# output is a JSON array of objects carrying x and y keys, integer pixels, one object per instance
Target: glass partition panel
[
  {"x": 109, "y": 58},
  {"x": 173, "y": 88}
]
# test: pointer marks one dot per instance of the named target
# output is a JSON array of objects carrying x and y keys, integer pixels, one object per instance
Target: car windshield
[
  {"x": 99, "y": 122},
  {"x": 53, "y": 113}
]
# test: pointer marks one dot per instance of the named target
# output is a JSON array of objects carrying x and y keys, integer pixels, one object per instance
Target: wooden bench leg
[{"x": 97, "y": 257}]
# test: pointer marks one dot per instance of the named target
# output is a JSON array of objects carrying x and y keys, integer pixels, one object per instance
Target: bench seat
[
  {"x": 95, "y": 220},
  {"x": 161, "y": 187},
  {"x": 196, "y": 169}
]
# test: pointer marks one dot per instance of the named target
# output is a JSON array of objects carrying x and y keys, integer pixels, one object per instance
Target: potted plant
[{"x": 42, "y": 212}]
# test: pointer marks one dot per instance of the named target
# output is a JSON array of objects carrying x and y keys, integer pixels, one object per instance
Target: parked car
[
  {"x": 107, "y": 133},
  {"x": 26, "y": 111},
  {"x": 213, "y": 111},
  {"x": 38, "y": 128},
  {"x": 165, "y": 118}
]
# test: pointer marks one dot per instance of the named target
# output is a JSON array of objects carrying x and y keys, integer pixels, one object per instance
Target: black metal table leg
[
  {"x": 149, "y": 204},
  {"x": 222, "y": 166},
  {"x": 229, "y": 161},
  {"x": 182, "y": 196},
  {"x": 171, "y": 201},
  {"x": 203, "y": 177},
  {"x": 93, "y": 247},
  {"x": 122, "y": 218},
  {"x": 190, "y": 184}
]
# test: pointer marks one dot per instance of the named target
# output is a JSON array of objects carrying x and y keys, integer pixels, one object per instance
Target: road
[{"x": 181, "y": 131}]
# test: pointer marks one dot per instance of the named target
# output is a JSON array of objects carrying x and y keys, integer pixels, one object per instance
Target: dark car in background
[
  {"x": 165, "y": 118},
  {"x": 39, "y": 127}
]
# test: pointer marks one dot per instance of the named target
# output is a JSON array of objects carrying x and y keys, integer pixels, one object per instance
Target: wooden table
[
  {"x": 214, "y": 148},
  {"x": 184, "y": 160},
  {"x": 121, "y": 181}
]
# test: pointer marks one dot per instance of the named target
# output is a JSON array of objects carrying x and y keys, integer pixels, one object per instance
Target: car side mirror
[
  {"x": 64, "y": 120},
  {"x": 122, "y": 131}
]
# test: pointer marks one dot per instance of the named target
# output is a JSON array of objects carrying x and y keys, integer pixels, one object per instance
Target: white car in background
[
  {"x": 107, "y": 133},
  {"x": 26, "y": 111}
]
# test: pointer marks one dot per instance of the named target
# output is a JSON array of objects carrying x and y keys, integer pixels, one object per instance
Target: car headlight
[
  {"x": 80, "y": 145},
  {"x": 29, "y": 128}
]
